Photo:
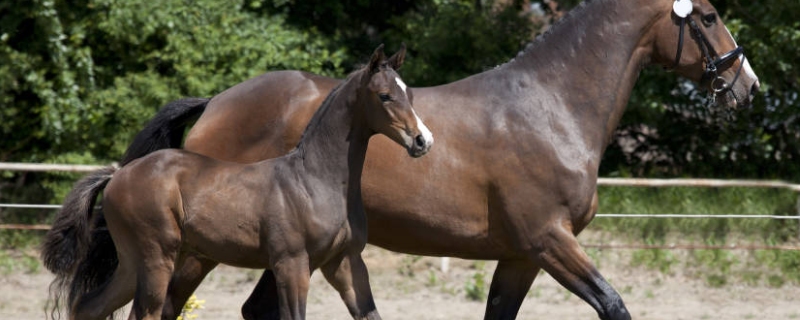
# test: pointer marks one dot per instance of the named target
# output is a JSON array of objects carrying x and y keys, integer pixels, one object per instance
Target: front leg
[
  {"x": 292, "y": 277},
  {"x": 348, "y": 274},
  {"x": 511, "y": 281},
  {"x": 562, "y": 257}
]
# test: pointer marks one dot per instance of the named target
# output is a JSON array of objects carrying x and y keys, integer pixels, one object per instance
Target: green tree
[
  {"x": 668, "y": 114},
  {"x": 79, "y": 78}
]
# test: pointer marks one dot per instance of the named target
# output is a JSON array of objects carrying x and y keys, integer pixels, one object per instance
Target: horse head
[
  {"x": 693, "y": 40},
  {"x": 389, "y": 103}
]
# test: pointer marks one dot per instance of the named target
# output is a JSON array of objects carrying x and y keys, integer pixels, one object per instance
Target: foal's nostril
[{"x": 419, "y": 141}]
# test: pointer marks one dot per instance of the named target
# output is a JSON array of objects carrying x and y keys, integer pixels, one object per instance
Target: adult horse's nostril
[
  {"x": 754, "y": 89},
  {"x": 420, "y": 141}
]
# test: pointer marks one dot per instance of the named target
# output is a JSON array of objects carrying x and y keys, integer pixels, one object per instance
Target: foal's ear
[
  {"x": 378, "y": 58},
  {"x": 396, "y": 60}
]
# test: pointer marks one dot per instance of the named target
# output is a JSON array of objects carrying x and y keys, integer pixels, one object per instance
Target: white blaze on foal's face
[
  {"x": 423, "y": 129},
  {"x": 402, "y": 85},
  {"x": 426, "y": 133}
]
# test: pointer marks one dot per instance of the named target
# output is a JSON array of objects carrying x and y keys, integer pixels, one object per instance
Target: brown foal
[{"x": 291, "y": 214}]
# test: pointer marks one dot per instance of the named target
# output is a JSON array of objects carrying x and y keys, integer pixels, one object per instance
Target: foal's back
[{"x": 210, "y": 205}]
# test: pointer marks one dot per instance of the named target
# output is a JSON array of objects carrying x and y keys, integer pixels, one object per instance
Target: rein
[{"x": 713, "y": 60}]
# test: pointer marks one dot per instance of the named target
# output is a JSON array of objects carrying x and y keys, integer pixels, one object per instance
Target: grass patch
[
  {"x": 716, "y": 267},
  {"x": 684, "y": 200},
  {"x": 475, "y": 287}
]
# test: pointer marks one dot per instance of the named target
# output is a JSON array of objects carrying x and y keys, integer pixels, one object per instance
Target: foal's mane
[{"x": 325, "y": 106}]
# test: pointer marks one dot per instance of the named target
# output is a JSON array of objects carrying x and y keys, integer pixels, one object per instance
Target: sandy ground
[{"x": 408, "y": 287}]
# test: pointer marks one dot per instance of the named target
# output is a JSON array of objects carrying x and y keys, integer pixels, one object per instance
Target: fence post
[{"x": 445, "y": 264}]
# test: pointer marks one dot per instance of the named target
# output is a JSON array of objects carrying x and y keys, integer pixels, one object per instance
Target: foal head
[
  {"x": 704, "y": 51},
  {"x": 387, "y": 106}
]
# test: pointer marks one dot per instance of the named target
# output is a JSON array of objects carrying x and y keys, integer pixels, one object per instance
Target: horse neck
[
  {"x": 591, "y": 60},
  {"x": 334, "y": 145}
]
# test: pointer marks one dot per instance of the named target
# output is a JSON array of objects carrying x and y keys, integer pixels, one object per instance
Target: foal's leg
[
  {"x": 348, "y": 274},
  {"x": 562, "y": 257},
  {"x": 153, "y": 277},
  {"x": 156, "y": 250},
  {"x": 511, "y": 281},
  {"x": 112, "y": 295},
  {"x": 189, "y": 273},
  {"x": 292, "y": 275},
  {"x": 263, "y": 302}
]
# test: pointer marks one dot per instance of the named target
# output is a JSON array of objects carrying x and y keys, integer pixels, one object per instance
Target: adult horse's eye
[
  {"x": 384, "y": 97},
  {"x": 709, "y": 19}
]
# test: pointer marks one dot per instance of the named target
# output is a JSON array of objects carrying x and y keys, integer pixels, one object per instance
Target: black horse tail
[
  {"x": 70, "y": 239},
  {"x": 166, "y": 129}
]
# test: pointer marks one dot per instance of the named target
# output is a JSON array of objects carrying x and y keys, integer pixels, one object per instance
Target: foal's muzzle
[{"x": 420, "y": 147}]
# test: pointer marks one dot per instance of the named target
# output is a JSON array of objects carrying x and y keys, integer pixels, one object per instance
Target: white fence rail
[
  {"x": 706, "y": 183},
  {"x": 43, "y": 167}
]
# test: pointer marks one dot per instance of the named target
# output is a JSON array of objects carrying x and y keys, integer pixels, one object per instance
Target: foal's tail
[
  {"x": 70, "y": 238},
  {"x": 78, "y": 248}
]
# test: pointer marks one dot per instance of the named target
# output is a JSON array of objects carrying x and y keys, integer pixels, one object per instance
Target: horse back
[{"x": 260, "y": 118}]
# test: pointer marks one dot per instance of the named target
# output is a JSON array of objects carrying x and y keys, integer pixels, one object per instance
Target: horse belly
[
  {"x": 230, "y": 239},
  {"x": 429, "y": 205}
]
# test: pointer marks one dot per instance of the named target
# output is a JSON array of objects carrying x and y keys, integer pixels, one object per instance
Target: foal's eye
[
  {"x": 709, "y": 19},
  {"x": 384, "y": 97}
]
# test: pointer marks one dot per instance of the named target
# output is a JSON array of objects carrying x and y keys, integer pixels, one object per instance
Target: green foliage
[
  {"x": 451, "y": 40},
  {"x": 658, "y": 259},
  {"x": 668, "y": 118},
  {"x": 18, "y": 262},
  {"x": 686, "y": 200},
  {"x": 407, "y": 266},
  {"x": 716, "y": 267},
  {"x": 447, "y": 39},
  {"x": 78, "y": 79},
  {"x": 475, "y": 288},
  {"x": 786, "y": 262}
]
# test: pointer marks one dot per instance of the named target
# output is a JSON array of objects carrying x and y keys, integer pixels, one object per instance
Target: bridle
[{"x": 713, "y": 60}]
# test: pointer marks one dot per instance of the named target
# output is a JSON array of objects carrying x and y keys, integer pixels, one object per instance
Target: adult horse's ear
[
  {"x": 396, "y": 60},
  {"x": 378, "y": 58}
]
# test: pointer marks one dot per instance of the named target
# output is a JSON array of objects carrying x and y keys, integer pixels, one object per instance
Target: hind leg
[
  {"x": 112, "y": 295},
  {"x": 511, "y": 281},
  {"x": 348, "y": 274},
  {"x": 562, "y": 257},
  {"x": 263, "y": 303},
  {"x": 189, "y": 273},
  {"x": 153, "y": 275}
]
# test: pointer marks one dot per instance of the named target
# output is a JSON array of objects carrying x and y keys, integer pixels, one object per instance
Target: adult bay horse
[
  {"x": 513, "y": 177},
  {"x": 291, "y": 214}
]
